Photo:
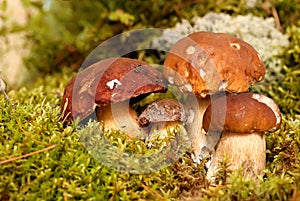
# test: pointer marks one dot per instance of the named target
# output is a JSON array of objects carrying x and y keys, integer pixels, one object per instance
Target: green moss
[{"x": 68, "y": 171}]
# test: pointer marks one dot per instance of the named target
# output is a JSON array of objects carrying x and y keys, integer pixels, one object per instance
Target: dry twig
[{"x": 27, "y": 155}]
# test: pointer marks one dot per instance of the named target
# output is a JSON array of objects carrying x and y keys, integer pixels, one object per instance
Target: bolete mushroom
[
  {"x": 246, "y": 118},
  {"x": 108, "y": 86},
  {"x": 205, "y": 63},
  {"x": 164, "y": 116}
]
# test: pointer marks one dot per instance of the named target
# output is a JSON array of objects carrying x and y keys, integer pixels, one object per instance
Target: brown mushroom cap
[
  {"x": 209, "y": 62},
  {"x": 245, "y": 113},
  {"x": 163, "y": 110},
  {"x": 109, "y": 81}
]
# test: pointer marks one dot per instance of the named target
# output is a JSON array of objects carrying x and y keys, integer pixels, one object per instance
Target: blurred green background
[{"x": 60, "y": 34}]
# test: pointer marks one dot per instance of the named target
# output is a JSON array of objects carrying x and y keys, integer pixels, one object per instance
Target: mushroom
[
  {"x": 203, "y": 64},
  {"x": 165, "y": 116},
  {"x": 243, "y": 123},
  {"x": 108, "y": 86}
]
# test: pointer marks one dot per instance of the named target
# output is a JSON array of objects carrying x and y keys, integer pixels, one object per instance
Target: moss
[{"x": 66, "y": 170}]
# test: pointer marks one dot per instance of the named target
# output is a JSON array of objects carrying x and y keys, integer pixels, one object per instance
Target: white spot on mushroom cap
[
  {"x": 235, "y": 45},
  {"x": 190, "y": 50},
  {"x": 202, "y": 73},
  {"x": 203, "y": 94},
  {"x": 189, "y": 87},
  {"x": 270, "y": 103},
  {"x": 171, "y": 79},
  {"x": 111, "y": 84}
]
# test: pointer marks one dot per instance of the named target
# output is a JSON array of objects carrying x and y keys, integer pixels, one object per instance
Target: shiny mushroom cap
[
  {"x": 244, "y": 113},
  {"x": 109, "y": 81},
  {"x": 206, "y": 62},
  {"x": 163, "y": 110}
]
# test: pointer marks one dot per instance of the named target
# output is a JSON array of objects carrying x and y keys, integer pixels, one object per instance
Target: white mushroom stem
[
  {"x": 121, "y": 116},
  {"x": 246, "y": 151},
  {"x": 196, "y": 107}
]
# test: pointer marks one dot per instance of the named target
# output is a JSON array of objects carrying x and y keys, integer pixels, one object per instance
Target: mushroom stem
[
  {"x": 196, "y": 107},
  {"x": 117, "y": 117},
  {"x": 243, "y": 150}
]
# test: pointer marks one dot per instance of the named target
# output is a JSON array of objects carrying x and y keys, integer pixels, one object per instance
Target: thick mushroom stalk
[
  {"x": 245, "y": 151},
  {"x": 165, "y": 117},
  {"x": 243, "y": 123},
  {"x": 121, "y": 116}
]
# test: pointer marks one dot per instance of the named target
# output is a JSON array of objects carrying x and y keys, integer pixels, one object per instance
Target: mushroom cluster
[
  {"x": 108, "y": 89},
  {"x": 221, "y": 117},
  {"x": 218, "y": 69}
]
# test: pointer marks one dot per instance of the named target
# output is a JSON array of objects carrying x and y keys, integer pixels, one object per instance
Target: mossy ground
[{"x": 40, "y": 159}]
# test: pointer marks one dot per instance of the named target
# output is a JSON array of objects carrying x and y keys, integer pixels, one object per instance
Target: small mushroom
[
  {"x": 164, "y": 115},
  {"x": 243, "y": 123},
  {"x": 108, "y": 86},
  {"x": 205, "y": 63}
]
